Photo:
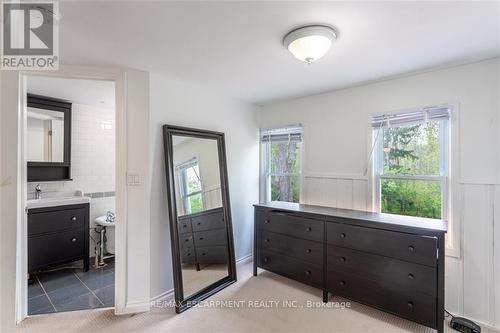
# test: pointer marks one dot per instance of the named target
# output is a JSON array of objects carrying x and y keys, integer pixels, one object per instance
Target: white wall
[
  {"x": 177, "y": 103},
  {"x": 337, "y": 135},
  {"x": 36, "y": 138}
]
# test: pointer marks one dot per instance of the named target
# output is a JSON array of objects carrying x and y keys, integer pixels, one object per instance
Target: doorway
[{"x": 70, "y": 187}]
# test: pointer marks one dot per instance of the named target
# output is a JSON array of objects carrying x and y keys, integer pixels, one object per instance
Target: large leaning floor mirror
[{"x": 200, "y": 217}]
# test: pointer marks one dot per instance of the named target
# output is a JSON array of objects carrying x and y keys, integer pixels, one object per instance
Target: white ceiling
[
  {"x": 89, "y": 92},
  {"x": 236, "y": 47}
]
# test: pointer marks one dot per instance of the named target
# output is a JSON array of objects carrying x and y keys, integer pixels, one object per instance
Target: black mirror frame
[
  {"x": 52, "y": 171},
  {"x": 182, "y": 304}
]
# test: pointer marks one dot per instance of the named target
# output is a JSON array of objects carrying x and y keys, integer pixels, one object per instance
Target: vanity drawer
[
  {"x": 298, "y": 248},
  {"x": 401, "y": 274},
  {"x": 184, "y": 225},
  {"x": 211, "y": 254},
  {"x": 56, "y": 220},
  {"x": 291, "y": 225},
  {"x": 210, "y": 237},
  {"x": 412, "y": 305},
  {"x": 295, "y": 269},
  {"x": 409, "y": 247},
  {"x": 50, "y": 249},
  {"x": 188, "y": 255},
  {"x": 208, "y": 221}
]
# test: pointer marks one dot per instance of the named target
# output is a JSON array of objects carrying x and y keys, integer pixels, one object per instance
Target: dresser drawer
[
  {"x": 298, "y": 248},
  {"x": 211, "y": 254},
  {"x": 414, "y": 248},
  {"x": 186, "y": 240},
  {"x": 51, "y": 249},
  {"x": 412, "y": 305},
  {"x": 210, "y": 237},
  {"x": 184, "y": 225},
  {"x": 291, "y": 225},
  {"x": 188, "y": 255},
  {"x": 295, "y": 269},
  {"x": 54, "y": 221},
  {"x": 402, "y": 274},
  {"x": 208, "y": 221}
]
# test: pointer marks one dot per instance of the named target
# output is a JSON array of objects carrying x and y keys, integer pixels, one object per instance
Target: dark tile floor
[{"x": 69, "y": 289}]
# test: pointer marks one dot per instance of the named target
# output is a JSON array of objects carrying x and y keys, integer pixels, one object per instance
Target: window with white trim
[
  {"x": 281, "y": 151},
  {"x": 190, "y": 187},
  {"x": 411, "y": 162}
]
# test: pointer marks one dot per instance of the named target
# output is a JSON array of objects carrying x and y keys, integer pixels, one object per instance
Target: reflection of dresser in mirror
[{"x": 202, "y": 238}]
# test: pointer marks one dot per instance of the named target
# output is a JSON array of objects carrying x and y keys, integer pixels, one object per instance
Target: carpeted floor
[{"x": 290, "y": 309}]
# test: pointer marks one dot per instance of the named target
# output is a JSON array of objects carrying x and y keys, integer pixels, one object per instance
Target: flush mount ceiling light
[{"x": 310, "y": 43}]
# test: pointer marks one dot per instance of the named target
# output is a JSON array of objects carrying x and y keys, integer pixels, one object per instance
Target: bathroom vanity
[
  {"x": 58, "y": 232},
  {"x": 394, "y": 263}
]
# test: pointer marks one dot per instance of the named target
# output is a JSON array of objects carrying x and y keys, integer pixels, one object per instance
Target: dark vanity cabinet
[
  {"x": 58, "y": 235},
  {"x": 393, "y": 263},
  {"x": 203, "y": 237}
]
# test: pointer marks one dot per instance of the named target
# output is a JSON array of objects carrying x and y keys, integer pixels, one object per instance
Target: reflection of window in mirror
[{"x": 190, "y": 187}]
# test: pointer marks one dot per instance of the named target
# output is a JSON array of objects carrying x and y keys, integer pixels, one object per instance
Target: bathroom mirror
[
  {"x": 48, "y": 134},
  {"x": 200, "y": 218},
  {"x": 45, "y": 135}
]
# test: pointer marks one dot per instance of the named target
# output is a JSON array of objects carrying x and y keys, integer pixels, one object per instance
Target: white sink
[{"x": 56, "y": 201}]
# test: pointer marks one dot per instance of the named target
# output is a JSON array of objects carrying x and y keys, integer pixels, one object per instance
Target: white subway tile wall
[{"x": 92, "y": 163}]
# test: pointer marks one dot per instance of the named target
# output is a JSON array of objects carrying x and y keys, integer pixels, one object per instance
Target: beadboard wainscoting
[{"x": 472, "y": 278}]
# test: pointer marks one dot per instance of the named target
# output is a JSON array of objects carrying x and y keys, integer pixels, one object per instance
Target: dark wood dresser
[
  {"x": 58, "y": 235},
  {"x": 202, "y": 237},
  {"x": 393, "y": 263}
]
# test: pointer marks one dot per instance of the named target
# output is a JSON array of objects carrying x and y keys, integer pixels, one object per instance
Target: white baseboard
[
  {"x": 135, "y": 307},
  {"x": 245, "y": 259},
  {"x": 165, "y": 296}
]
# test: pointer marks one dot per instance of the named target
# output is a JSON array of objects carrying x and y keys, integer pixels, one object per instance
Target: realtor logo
[{"x": 29, "y": 35}]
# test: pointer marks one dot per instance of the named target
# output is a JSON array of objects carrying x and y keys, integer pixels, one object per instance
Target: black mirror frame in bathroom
[
  {"x": 182, "y": 304},
  {"x": 52, "y": 171}
]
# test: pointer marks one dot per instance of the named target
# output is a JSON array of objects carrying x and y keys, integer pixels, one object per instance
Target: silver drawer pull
[
  {"x": 308, "y": 229},
  {"x": 308, "y": 272},
  {"x": 73, "y": 218},
  {"x": 410, "y": 305},
  {"x": 267, "y": 240},
  {"x": 266, "y": 221},
  {"x": 308, "y": 250},
  {"x": 342, "y": 283},
  {"x": 266, "y": 259},
  {"x": 342, "y": 259},
  {"x": 201, "y": 238},
  {"x": 342, "y": 235},
  {"x": 411, "y": 276},
  {"x": 73, "y": 240},
  {"x": 411, "y": 248}
]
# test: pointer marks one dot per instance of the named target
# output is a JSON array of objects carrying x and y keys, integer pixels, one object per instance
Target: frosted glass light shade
[{"x": 310, "y": 43}]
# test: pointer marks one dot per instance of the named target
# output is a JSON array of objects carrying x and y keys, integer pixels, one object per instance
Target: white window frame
[
  {"x": 265, "y": 165},
  {"x": 450, "y": 159},
  {"x": 182, "y": 184},
  {"x": 443, "y": 176}
]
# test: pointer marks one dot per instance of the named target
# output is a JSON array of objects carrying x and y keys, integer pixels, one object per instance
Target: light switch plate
[{"x": 133, "y": 179}]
